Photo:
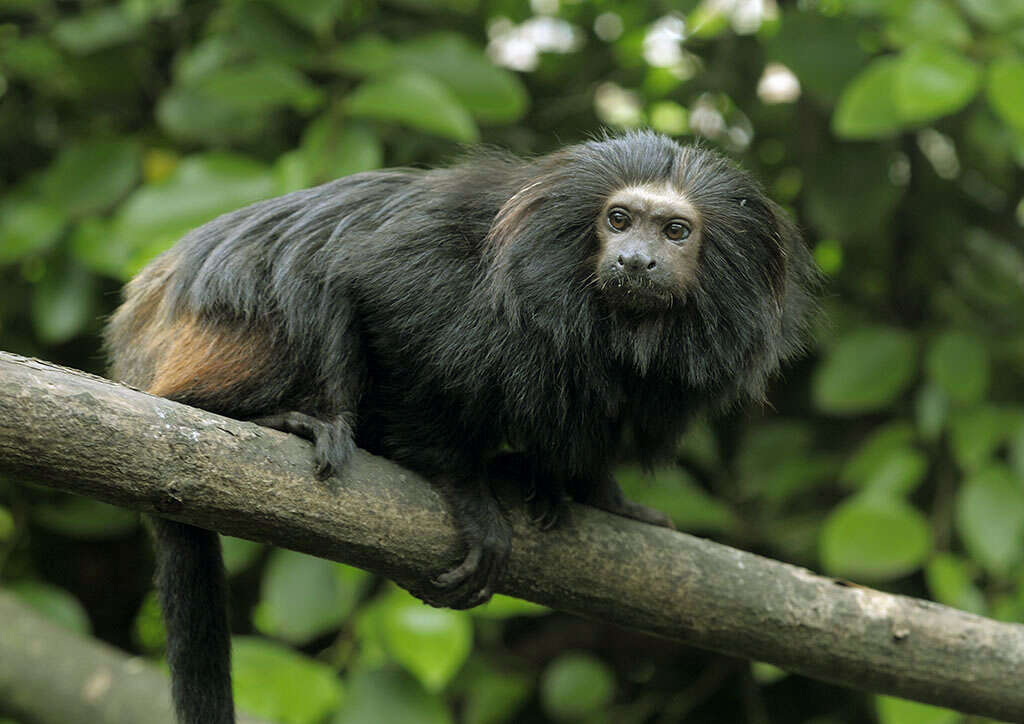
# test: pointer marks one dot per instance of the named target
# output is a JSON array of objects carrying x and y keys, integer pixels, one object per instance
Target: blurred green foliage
[{"x": 893, "y": 455}]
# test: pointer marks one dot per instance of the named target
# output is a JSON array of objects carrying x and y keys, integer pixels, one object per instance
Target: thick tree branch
[
  {"x": 85, "y": 435},
  {"x": 49, "y": 675}
]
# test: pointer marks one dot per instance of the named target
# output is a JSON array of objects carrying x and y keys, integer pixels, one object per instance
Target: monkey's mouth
[{"x": 635, "y": 292}]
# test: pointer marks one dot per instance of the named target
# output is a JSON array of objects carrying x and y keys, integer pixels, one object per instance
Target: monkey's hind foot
[
  {"x": 486, "y": 533},
  {"x": 333, "y": 440}
]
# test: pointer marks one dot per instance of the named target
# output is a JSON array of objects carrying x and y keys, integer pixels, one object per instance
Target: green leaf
[
  {"x": 872, "y": 455},
  {"x": 958, "y": 363},
  {"x": 333, "y": 148},
  {"x": 490, "y": 93},
  {"x": 431, "y": 643},
  {"x": 575, "y": 686},
  {"x": 274, "y": 682},
  {"x": 950, "y": 582},
  {"x": 96, "y": 29},
  {"x": 1005, "y": 90},
  {"x": 874, "y": 539},
  {"x": 932, "y": 20},
  {"x": 303, "y": 597},
  {"x": 259, "y": 88},
  {"x": 148, "y": 627},
  {"x": 995, "y": 15},
  {"x": 85, "y": 519},
  {"x": 933, "y": 81},
  {"x": 239, "y": 553},
  {"x": 27, "y": 227},
  {"x": 63, "y": 303},
  {"x": 317, "y": 16},
  {"x": 673, "y": 491},
  {"x": 200, "y": 188},
  {"x": 54, "y": 603},
  {"x": 901, "y": 711},
  {"x": 931, "y": 407},
  {"x": 976, "y": 434},
  {"x": 867, "y": 106},
  {"x": 502, "y": 607},
  {"x": 493, "y": 695},
  {"x": 990, "y": 519},
  {"x": 90, "y": 177},
  {"x": 866, "y": 371},
  {"x": 391, "y": 697},
  {"x": 7, "y": 525},
  {"x": 414, "y": 99},
  {"x": 190, "y": 116}
]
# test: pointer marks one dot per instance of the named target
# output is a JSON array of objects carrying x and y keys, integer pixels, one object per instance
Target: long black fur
[{"x": 435, "y": 317}]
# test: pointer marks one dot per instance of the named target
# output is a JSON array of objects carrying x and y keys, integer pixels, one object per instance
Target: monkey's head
[
  {"x": 674, "y": 255},
  {"x": 649, "y": 247}
]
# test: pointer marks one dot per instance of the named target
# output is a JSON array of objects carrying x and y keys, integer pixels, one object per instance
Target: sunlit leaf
[
  {"x": 933, "y": 20},
  {"x": 901, "y": 711},
  {"x": 239, "y": 553},
  {"x": 275, "y": 682},
  {"x": 934, "y": 81},
  {"x": 432, "y": 643},
  {"x": 332, "y": 147},
  {"x": 414, "y": 99},
  {"x": 1005, "y": 90},
  {"x": 874, "y": 539},
  {"x": 867, "y": 107},
  {"x": 303, "y": 597},
  {"x": 867, "y": 370},
  {"x": 259, "y": 87},
  {"x": 96, "y": 29}
]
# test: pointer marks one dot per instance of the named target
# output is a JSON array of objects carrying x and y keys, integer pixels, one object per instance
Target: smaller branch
[
  {"x": 49, "y": 675},
  {"x": 85, "y": 435}
]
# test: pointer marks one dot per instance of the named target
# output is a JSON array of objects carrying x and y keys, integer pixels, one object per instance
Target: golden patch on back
[{"x": 172, "y": 353}]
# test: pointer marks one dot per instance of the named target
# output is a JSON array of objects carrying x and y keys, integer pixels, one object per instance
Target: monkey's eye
[
  {"x": 676, "y": 230},
  {"x": 619, "y": 220}
]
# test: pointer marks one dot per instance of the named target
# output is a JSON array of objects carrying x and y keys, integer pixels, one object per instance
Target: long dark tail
[{"x": 193, "y": 592}]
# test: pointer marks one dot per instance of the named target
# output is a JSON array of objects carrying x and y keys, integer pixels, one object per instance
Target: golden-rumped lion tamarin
[{"x": 572, "y": 310}]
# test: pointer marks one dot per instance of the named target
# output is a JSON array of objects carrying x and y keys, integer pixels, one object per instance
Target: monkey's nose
[{"x": 636, "y": 261}]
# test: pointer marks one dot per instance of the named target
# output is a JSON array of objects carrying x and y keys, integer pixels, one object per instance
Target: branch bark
[
  {"x": 85, "y": 435},
  {"x": 49, "y": 675}
]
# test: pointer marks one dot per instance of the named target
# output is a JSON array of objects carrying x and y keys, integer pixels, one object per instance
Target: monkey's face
[{"x": 650, "y": 239}]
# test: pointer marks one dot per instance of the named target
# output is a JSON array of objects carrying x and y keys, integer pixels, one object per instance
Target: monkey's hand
[
  {"x": 483, "y": 528},
  {"x": 332, "y": 439}
]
